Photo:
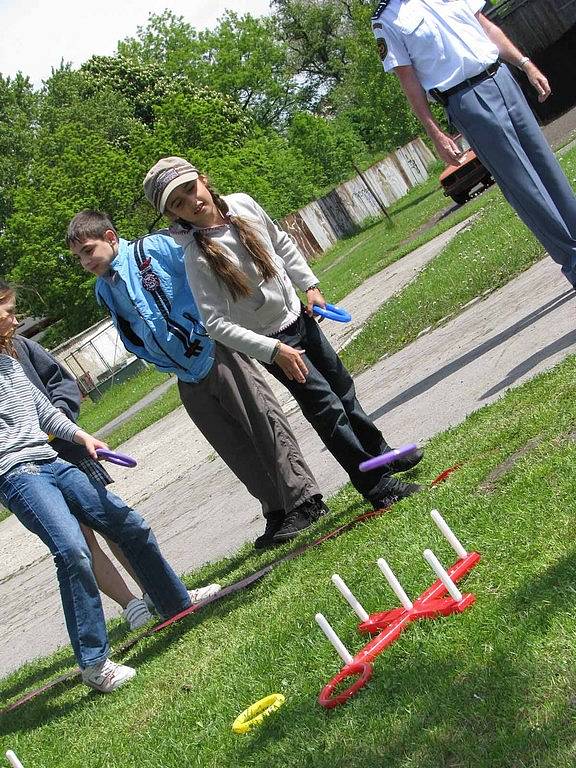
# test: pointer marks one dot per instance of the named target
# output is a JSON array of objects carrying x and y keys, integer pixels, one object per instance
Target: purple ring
[
  {"x": 122, "y": 459},
  {"x": 387, "y": 458}
]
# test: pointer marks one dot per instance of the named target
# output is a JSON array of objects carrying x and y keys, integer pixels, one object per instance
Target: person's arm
[
  {"x": 213, "y": 305},
  {"x": 297, "y": 268},
  {"x": 63, "y": 392},
  {"x": 512, "y": 55},
  {"x": 445, "y": 145},
  {"x": 54, "y": 422}
]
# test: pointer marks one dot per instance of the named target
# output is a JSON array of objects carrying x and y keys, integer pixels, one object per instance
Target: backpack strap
[{"x": 152, "y": 285}]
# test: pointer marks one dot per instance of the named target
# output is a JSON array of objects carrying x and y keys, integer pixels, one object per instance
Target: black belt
[{"x": 443, "y": 96}]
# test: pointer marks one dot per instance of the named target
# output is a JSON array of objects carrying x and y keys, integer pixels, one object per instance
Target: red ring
[{"x": 362, "y": 668}]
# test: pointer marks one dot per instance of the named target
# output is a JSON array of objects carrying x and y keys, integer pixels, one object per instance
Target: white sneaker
[
  {"x": 107, "y": 676},
  {"x": 136, "y": 613},
  {"x": 203, "y": 593},
  {"x": 196, "y": 596}
]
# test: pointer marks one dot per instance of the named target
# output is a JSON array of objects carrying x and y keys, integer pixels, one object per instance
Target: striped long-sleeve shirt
[{"x": 26, "y": 419}]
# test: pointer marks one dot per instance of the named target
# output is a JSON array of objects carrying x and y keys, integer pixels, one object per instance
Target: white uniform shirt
[{"x": 442, "y": 39}]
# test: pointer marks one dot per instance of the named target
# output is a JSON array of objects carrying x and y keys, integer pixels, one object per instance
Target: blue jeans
[
  {"x": 50, "y": 498},
  {"x": 328, "y": 401}
]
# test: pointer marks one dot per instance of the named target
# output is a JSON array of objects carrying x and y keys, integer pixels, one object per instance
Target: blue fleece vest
[{"x": 153, "y": 308}]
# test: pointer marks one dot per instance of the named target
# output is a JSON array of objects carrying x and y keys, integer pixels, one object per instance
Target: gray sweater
[
  {"x": 26, "y": 419},
  {"x": 246, "y": 324}
]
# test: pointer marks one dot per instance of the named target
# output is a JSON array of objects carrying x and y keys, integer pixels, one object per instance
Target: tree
[
  {"x": 333, "y": 46},
  {"x": 18, "y": 104},
  {"x": 243, "y": 57},
  {"x": 332, "y": 146},
  {"x": 81, "y": 157}
]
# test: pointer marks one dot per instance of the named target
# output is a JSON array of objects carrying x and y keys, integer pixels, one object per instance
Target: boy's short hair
[{"x": 89, "y": 224}]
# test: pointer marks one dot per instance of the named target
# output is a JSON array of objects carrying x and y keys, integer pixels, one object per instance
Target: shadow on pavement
[
  {"x": 564, "y": 342},
  {"x": 473, "y": 354}
]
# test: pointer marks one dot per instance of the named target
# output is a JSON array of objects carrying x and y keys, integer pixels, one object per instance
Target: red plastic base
[
  {"x": 361, "y": 668},
  {"x": 390, "y": 625}
]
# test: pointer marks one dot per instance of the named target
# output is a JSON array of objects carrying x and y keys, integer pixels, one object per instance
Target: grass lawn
[
  {"x": 494, "y": 687},
  {"x": 482, "y": 258},
  {"x": 116, "y": 400}
]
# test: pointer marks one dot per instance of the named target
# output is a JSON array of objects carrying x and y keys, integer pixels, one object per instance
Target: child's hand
[
  {"x": 290, "y": 361},
  {"x": 89, "y": 442},
  {"x": 314, "y": 296}
]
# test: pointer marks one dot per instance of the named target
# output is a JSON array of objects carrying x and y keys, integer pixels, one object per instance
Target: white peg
[
  {"x": 438, "y": 569},
  {"x": 341, "y": 649},
  {"x": 349, "y": 597},
  {"x": 13, "y": 760},
  {"x": 448, "y": 534},
  {"x": 394, "y": 583}
]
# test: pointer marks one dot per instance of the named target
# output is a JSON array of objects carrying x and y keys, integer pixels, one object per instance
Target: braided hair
[{"x": 228, "y": 273}]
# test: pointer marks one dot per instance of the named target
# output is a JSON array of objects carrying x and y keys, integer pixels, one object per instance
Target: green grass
[
  {"x": 352, "y": 260},
  {"x": 493, "y": 687},
  {"x": 148, "y": 415},
  {"x": 116, "y": 400}
]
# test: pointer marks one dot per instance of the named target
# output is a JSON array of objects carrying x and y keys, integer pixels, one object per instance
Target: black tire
[{"x": 460, "y": 197}]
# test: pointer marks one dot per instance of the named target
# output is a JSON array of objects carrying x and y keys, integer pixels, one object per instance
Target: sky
[{"x": 37, "y": 34}]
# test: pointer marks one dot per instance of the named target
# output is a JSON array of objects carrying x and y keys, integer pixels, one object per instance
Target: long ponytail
[{"x": 228, "y": 273}]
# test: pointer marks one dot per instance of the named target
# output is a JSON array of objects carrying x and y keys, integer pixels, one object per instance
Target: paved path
[{"x": 200, "y": 511}]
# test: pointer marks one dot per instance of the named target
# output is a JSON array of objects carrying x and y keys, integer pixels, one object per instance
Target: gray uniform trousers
[
  {"x": 497, "y": 121},
  {"x": 239, "y": 415}
]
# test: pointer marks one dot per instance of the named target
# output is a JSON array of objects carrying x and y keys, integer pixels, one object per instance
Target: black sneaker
[
  {"x": 404, "y": 463},
  {"x": 274, "y": 522},
  {"x": 392, "y": 490},
  {"x": 300, "y": 518}
]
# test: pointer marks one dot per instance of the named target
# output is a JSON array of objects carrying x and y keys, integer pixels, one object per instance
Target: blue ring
[{"x": 333, "y": 313}]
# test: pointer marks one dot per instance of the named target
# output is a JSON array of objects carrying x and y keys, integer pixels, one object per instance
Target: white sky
[{"x": 36, "y": 34}]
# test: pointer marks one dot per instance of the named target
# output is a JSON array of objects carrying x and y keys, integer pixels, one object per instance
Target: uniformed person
[{"x": 448, "y": 51}]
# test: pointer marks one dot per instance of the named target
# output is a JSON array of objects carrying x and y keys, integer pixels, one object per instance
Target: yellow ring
[{"x": 256, "y": 713}]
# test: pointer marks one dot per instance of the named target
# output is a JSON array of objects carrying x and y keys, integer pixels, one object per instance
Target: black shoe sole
[
  {"x": 267, "y": 544},
  {"x": 407, "y": 463}
]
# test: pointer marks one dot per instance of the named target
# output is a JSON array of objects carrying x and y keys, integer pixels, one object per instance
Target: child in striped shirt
[{"x": 51, "y": 497}]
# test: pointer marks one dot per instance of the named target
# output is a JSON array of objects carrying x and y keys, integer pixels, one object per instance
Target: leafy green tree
[
  {"x": 81, "y": 157},
  {"x": 268, "y": 168},
  {"x": 167, "y": 41},
  {"x": 316, "y": 32},
  {"x": 243, "y": 57},
  {"x": 18, "y": 104},
  {"x": 332, "y": 146},
  {"x": 334, "y": 47}
]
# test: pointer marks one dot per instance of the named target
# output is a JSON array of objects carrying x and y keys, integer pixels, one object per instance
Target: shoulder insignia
[
  {"x": 380, "y": 9},
  {"x": 382, "y": 48}
]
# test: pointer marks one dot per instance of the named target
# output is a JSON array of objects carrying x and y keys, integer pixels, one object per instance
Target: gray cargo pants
[{"x": 239, "y": 415}]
